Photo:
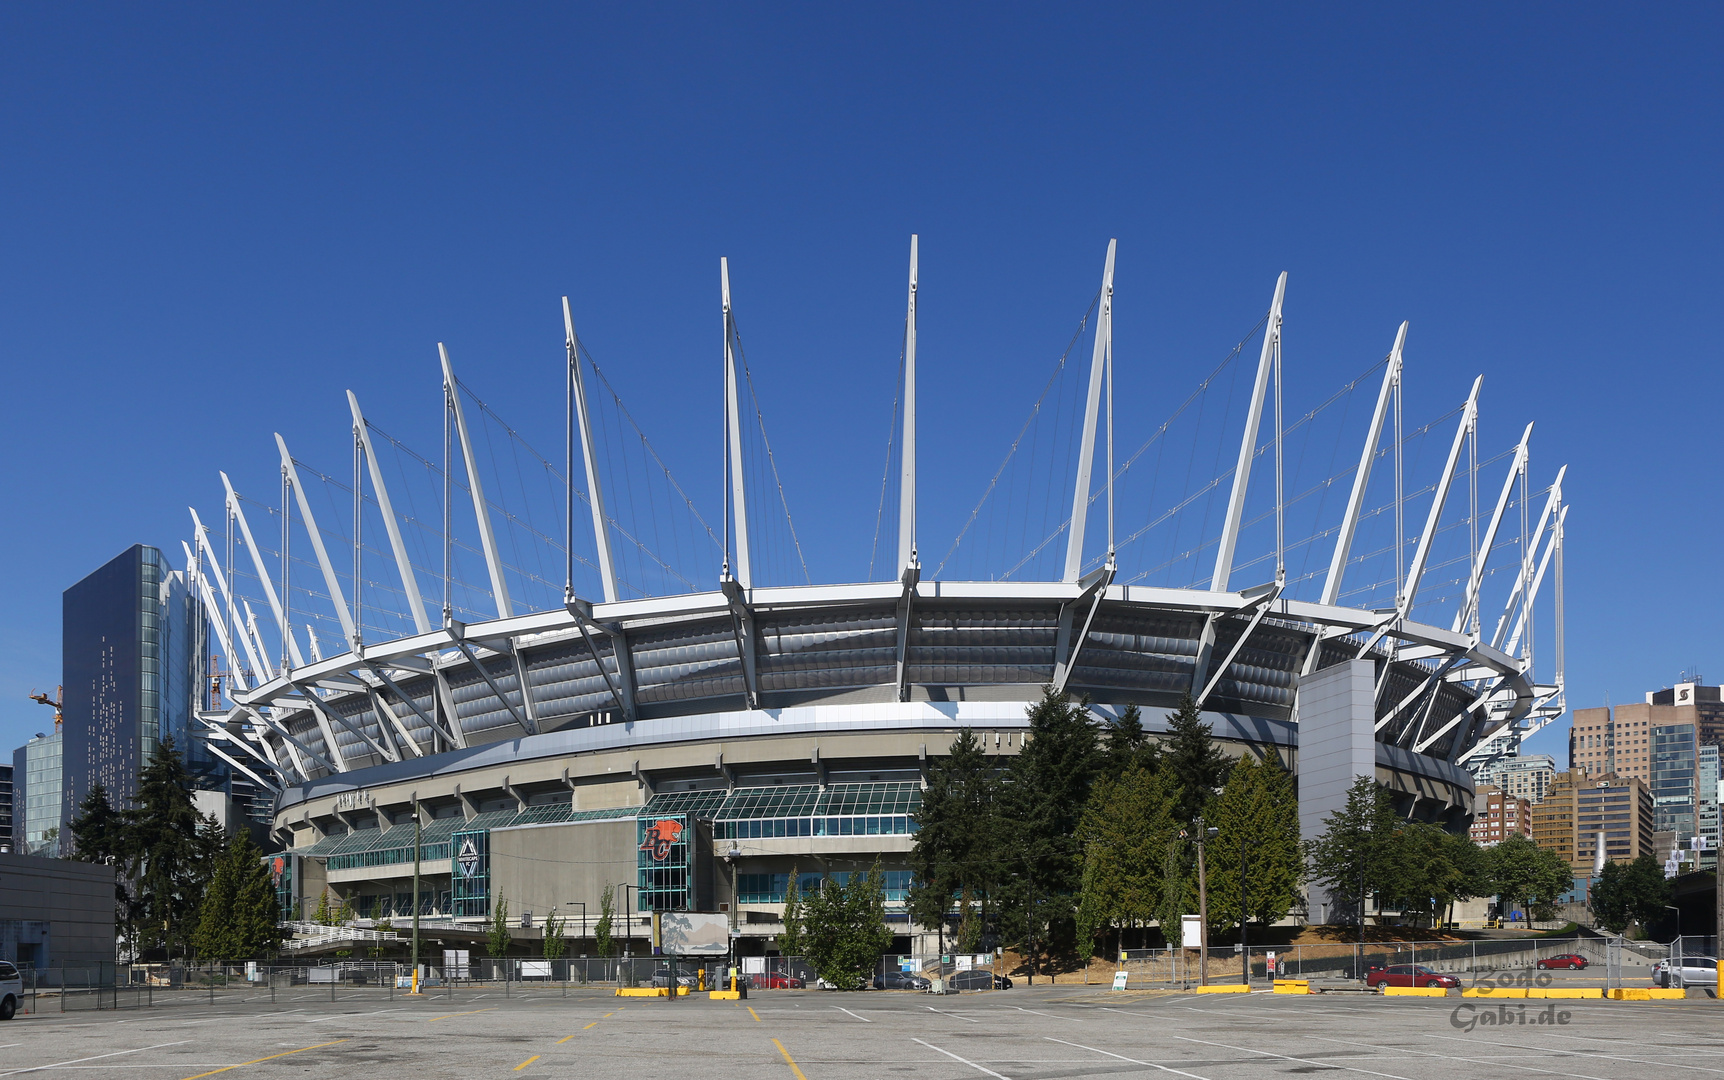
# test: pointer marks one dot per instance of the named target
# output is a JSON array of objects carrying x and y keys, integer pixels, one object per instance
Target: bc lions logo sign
[{"x": 660, "y": 835}]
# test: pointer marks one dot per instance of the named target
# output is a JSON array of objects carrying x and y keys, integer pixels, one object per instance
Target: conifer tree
[
  {"x": 99, "y": 835},
  {"x": 1257, "y": 816},
  {"x": 1355, "y": 855},
  {"x": 555, "y": 943},
  {"x": 322, "y": 916},
  {"x": 1198, "y": 764},
  {"x": 168, "y": 846},
  {"x": 255, "y": 923},
  {"x": 214, "y": 938},
  {"x": 1128, "y": 744},
  {"x": 1125, "y": 833},
  {"x": 1047, "y": 788},
  {"x": 956, "y": 832}
]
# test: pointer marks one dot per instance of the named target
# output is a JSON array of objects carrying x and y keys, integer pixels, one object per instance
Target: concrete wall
[
  {"x": 538, "y": 866},
  {"x": 75, "y": 899},
  {"x": 1337, "y": 745}
]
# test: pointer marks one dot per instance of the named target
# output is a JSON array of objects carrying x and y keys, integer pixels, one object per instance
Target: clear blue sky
[{"x": 218, "y": 218}]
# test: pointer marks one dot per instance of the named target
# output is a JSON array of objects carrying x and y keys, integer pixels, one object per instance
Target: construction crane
[{"x": 43, "y": 699}]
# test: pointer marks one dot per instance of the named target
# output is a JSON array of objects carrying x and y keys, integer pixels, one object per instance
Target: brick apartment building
[{"x": 1500, "y": 815}]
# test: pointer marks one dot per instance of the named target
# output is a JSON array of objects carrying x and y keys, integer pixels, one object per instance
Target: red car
[
  {"x": 1408, "y": 975},
  {"x": 774, "y": 980},
  {"x": 1572, "y": 961}
]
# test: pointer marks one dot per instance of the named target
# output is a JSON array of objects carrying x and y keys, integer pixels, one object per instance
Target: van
[{"x": 11, "y": 990}]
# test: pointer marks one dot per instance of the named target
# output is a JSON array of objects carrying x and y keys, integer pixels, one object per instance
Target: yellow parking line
[
  {"x": 469, "y": 1012},
  {"x": 752, "y": 1013},
  {"x": 788, "y": 1060},
  {"x": 271, "y": 1057},
  {"x": 526, "y": 1063}
]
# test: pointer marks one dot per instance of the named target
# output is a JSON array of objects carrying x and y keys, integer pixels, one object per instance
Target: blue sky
[{"x": 220, "y": 218}]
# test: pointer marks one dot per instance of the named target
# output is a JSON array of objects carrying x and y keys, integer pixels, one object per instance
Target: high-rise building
[
  {"x": 1711, "y": 770},
  {"x": 1619, "y": 807},
  {"x": 1499, "y": 816},
  {"x": 129, "y": 645},
  {"x": 6, "y": 805},
  {"x": 37, "y": 816},
  {"x": 1553, "y": 818},
  {"x": 1525, "y": 777},
  {"x": 1676, "y": 777}
]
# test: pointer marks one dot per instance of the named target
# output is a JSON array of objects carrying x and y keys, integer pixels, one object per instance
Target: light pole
[
  {"x": 730, "y": 858},
  {"x": 629, "y": 924},
  {"x": 418, "y": 826},
  {"x": 1202, "y": 834},
  {"x": 1244, "y": 915},
  {"x": 583, "y": 906}
]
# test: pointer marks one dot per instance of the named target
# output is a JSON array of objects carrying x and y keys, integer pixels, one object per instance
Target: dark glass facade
[{"x": 127, "y": 658}]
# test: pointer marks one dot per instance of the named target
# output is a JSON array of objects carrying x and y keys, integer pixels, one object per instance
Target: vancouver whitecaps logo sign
[{"x": 469, "y": 858}]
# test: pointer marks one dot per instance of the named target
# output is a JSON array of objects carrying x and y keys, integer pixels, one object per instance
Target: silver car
[
  {"x": 1686, "y": 971},
  {"x": 11, "y": 990}
]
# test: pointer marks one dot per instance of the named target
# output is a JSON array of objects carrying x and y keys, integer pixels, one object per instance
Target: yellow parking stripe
[
  {"x": 752, "y": 1013},
  {"x": 526, "y": 1063},
  {"x": 254, "y": 1061},
  {"x": 788, "y": 1060}
]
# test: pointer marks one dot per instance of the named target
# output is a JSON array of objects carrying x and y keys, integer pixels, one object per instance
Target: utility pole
[
  {"x": 1244, "y": 915},
  {"x": 1203, "y": 833},
  {"x": 418, "y": 833}
]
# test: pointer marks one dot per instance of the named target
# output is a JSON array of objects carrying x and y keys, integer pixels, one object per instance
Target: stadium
[{"x": 685, "y": 729}]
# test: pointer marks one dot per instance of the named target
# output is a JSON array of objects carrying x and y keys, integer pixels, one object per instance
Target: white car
[
  {"x": 11, "y": 990},
  {"x": 1686, "y": 971}
]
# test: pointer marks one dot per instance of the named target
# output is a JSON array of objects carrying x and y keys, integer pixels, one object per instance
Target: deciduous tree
[{"x": 843, "y": 928}]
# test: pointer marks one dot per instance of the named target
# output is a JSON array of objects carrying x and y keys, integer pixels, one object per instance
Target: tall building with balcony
[
  {"x": 1619, "y": 807},
  {"x": 1525, "y": 777},
  {"x": 1499, "y": 816}
]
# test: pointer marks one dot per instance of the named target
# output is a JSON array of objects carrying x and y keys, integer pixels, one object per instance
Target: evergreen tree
[
  {"x": 603, "y": 942},
  {"x": 100, "y": 835},
  {"x": 256, "y": 919},
  {"x": 844, "y": 929},
  {"x": 1128, "y": 745},
  {"x": 1047, "y": 789},
  {"x": 1629, "y": 893},
  {"x": 1198, "y": 764},
  {"x": 169, "y": 849},
  {"x": 1125, "y": 833},
  {"x": 497, "y": 933},
  {"x": 321, "y": 916},
  {"x": 1257, "y": 816},
  {"x": 955, "y": 838},
  {"x": 555, "y": 943},
  {"x": 790, "y": 942},
  {"x": 214, "y": 937},
  {"x": 1356, "y": 853}
]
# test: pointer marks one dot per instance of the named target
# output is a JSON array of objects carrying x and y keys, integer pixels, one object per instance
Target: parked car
[
  {"x": 11, "y": 990},
  {"x": 684, "y": 977},
  {"x": 900, "y": 980},
  {"x": 775, "y": 980},
  {"x": 980, "y": 979},
  {"x": 1408, "y": 975},
  {"x": 1572, "y": 961},
  {"x": 1686, "y": 971}
]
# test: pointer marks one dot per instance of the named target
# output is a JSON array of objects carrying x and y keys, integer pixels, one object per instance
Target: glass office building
[
  {"x": 36, "y": 796},
  {"x": 129, "y": 647},
  {"x": 1675, "y": 779}
]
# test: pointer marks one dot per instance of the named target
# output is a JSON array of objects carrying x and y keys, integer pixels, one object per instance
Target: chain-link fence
[{"x": 1341, "y": 962}]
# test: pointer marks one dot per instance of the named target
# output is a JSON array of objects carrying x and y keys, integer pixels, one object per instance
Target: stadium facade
[{"x": 692, "y": 751}]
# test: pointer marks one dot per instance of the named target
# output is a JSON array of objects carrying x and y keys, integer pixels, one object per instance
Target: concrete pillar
[{"x": 1337, "y": 745}]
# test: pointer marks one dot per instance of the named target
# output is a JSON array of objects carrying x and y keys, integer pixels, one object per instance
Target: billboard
[{"x": 693, "y": 933}]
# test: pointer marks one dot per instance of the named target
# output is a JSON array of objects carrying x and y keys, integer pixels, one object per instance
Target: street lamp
[
  {"x": 628, "y": 921},
  {"x": 730, "y": 858},
  {"x": 418, "y": 826},
  {"x": 1202, "y": 834}
]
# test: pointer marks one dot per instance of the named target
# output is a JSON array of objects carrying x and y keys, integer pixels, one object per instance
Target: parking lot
[{"x": 1021, "y": 1034}]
